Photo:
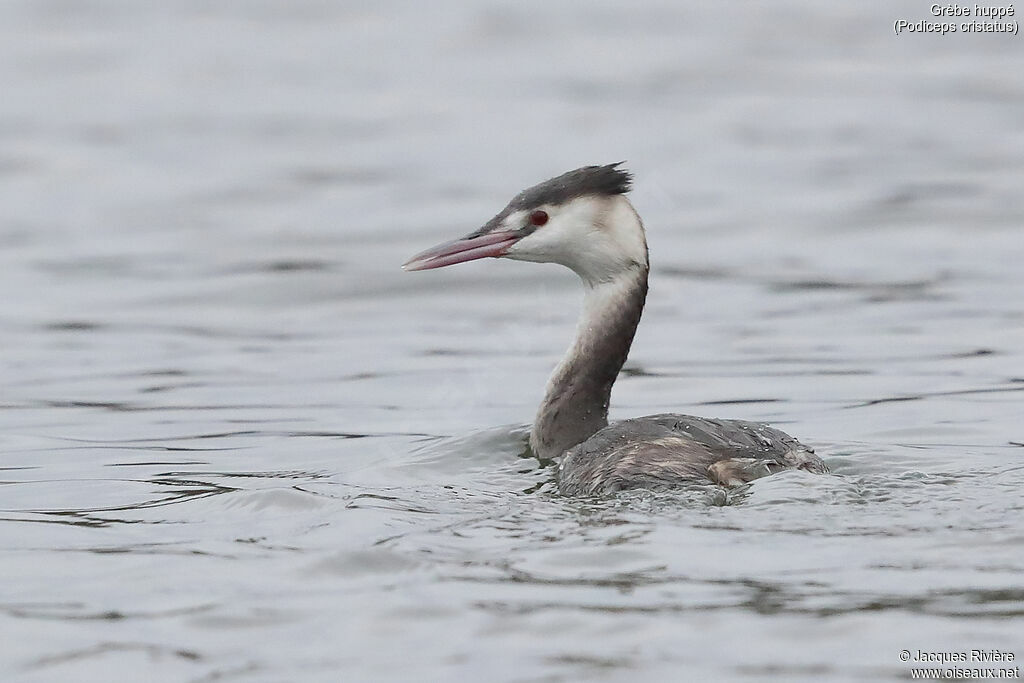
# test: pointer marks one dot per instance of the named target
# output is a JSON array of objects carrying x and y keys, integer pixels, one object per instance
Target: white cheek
[
  {"x": 549, "y": 242},
  {"x": 595, "y": 240},
  {"x": 570, "y": 227}
]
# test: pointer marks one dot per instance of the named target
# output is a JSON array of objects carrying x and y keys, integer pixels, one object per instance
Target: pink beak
[{"x": 465, "y": 249}]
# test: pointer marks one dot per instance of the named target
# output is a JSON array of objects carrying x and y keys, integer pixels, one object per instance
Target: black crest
[
  {"x": 606, "y": 181},
  {"x": 590, "y": 180}
]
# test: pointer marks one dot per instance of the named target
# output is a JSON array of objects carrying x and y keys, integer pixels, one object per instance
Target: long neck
[{"x": 575, "y": 404}]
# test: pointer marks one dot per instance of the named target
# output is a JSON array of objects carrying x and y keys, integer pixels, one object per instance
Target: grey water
[{"x": 238, "y": 443}]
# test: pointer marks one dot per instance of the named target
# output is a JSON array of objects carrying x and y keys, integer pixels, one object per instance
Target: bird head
[{"x": 580, "y": 219}]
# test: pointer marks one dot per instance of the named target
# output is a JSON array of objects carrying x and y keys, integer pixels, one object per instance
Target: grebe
[{"x": 583, "y": 220}]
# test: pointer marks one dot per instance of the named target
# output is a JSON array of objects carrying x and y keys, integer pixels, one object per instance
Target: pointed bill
[{"x": 465, "y": 249}]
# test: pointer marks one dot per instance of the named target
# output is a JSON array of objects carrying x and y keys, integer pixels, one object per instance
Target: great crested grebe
[{"x": 583, "y": 220}]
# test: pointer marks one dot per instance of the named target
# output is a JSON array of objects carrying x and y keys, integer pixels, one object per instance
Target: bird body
[
  {"x": 660, "y": 451},
  {"x": 583, "y": 220}
]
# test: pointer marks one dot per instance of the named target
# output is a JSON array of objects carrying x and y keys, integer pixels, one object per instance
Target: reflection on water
[{"x": 239, "y": 443}]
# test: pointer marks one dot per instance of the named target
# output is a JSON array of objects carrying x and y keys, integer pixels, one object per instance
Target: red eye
[{"x": 539, "y": 218}]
